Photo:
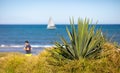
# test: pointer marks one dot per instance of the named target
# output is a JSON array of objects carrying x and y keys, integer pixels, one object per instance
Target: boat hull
[{"x": 51, "y": 27}]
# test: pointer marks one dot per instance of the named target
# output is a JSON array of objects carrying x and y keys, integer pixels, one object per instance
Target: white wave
[
  {"x": 2, "y": 45},
  {"x": 21, "y": 46},
  {"x": 42, "y": 45}
]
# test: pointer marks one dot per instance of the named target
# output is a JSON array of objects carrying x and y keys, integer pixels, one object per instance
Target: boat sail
[{"x": 51, "y": 24}]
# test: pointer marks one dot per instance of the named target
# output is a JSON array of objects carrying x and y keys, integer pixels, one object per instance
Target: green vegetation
[
  {"x": 87, "y": 52},
  {"x": 84, "y": 41}
]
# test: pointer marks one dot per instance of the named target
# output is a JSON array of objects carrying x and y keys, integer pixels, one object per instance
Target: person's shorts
[{"x": 28, "y": 54}]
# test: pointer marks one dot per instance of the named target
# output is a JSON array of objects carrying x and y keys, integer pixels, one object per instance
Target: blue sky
[{"x": 39, "y": 11}]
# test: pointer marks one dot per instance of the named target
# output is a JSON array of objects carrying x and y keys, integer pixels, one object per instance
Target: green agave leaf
[
  {"x": 67, "y": 47},
  {"x": 69, "y": 34},
  {"x": 84, "y": 41}
]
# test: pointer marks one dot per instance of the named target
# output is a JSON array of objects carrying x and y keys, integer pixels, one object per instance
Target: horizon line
[{"x": 59, "y": 24}]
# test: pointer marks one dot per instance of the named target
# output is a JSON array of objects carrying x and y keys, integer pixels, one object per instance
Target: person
[{"x": 27, "y": 48}]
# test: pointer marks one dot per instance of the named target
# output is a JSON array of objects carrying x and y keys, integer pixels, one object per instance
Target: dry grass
[{"x": 109, "y": 62}]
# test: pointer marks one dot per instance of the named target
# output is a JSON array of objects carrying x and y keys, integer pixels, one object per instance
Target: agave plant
[{"x": 85, "y": 42}]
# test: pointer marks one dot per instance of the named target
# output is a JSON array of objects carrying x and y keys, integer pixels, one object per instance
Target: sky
[{"x": 39, "y": 11}]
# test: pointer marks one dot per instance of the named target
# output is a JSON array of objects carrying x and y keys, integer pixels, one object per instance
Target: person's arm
[
  {"x": 24, "y": 48},
  {"x": 27, "y": 48}
]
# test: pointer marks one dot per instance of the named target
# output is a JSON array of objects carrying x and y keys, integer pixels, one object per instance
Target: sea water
[{"x": 12, "y": 37}]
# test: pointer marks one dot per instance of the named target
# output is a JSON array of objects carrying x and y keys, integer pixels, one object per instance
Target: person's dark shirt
[{"x": 29, "y": 50}]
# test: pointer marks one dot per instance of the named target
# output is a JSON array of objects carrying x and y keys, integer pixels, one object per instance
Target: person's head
[{"x": 26, "y": 42}]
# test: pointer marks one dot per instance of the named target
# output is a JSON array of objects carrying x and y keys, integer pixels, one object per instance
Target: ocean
[{"x": 12, "y": 37}]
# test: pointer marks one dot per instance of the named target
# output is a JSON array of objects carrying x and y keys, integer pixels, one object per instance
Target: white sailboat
[{"x": 51, "y": 24}]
